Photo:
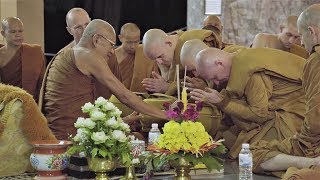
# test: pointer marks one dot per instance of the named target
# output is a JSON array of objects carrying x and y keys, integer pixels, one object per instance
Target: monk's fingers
[
  {"x": 188, "y": 79},
  {"x": 156, "y": 75},
  {"x": 150, "y": 86},
  {"x": 196, "y": 94},
  {"x": 149, "y": 82},
  {"x": 199, "y": 91},
  {"x": 189, "y": 85},
  {"x": 196, "y": 98},
  {"x": 150, "y": 89}
]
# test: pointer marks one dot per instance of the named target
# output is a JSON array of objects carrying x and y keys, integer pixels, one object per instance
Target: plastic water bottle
[
  {"x": 154, "y": 134},
  {"x": 245, "y": 163}
]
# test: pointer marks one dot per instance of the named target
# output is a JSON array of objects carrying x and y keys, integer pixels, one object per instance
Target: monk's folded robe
[
  {"x": 299, "y": 51},
  {"x": 25, "y": 69},
  {"x": 21, "y": 122},
  {"x": 134, "y": 68},
  {"x": 302, "y": 174},
  {"x": 263, "y": 97},
  {"x": 207, "y": 36},
  {"x": 307, "y": 142}
]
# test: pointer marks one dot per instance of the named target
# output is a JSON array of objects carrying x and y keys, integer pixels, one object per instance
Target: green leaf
[
  {"x": 94, "y": 152},
  {"x": 211, "y": 163},
  {"x": 103, "y": 152}
]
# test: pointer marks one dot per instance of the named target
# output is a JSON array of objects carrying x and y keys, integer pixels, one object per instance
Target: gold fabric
[
  {"x": 302, "y": 174},
  {"x": 66, "y": 89},
  {"x": 264, "y": 102},
  {"x": 299, "y": 51},
  {"x": 307, "y": 142},
  {"x": 21, "y": 122}
]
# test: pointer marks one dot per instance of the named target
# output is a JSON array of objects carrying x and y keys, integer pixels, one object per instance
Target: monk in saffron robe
[
  {"x": 287, "y": 40},
  {"x": 264, "y": 101},
  {"x": 165, "y": 50},
  {"x": 71, "y": 80},
  {"x": 214, "y": 24},
  {"x": 77, "y": 19},
  {"x": 21, "y": 64},
  {"x": 303, "y": 149},
  {"x": 133, "y": 65}
]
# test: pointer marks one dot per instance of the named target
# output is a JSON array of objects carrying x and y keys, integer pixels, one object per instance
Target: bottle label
[
  {"x": 153, "y": 138},
  {"x": 245, "y": 160}
]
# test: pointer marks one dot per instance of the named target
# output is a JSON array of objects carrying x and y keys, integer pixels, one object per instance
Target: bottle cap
[
  {"x": 245, "y": 145},
  {"x": 154, "y": 125}
]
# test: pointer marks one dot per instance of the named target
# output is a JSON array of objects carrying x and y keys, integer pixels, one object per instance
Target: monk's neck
[
  {"x": 11, "y": 49},
  {"x": 121, "y": 54}
]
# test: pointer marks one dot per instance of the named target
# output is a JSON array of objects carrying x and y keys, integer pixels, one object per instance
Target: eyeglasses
[{"x": 113, "y": 44}]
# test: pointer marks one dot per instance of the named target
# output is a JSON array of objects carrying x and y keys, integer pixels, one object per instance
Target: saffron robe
[
  {"x": 25, "y": 69},
  {"x": 134, "y": 69},
  {"x": 263, "y": 100},
  {"x": 307, "y": 142}
]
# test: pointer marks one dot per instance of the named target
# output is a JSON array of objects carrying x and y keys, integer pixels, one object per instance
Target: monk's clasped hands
[
  {"x": 207, "y": 96},
  {"x": 156, "y": 84}
]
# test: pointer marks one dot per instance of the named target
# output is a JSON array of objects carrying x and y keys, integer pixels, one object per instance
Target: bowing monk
[
  {"x": 21, "y": 64},
  {"x": 301, "y": 150},
  {"x": 288, "y": 39},
  {"x": 133, "y": 65},
  {"x": 165, "y": 50},
  {"x": 72, "y": 76},
  {"x": 263, "y": 96},
  {"x": 188, "y": 54}
]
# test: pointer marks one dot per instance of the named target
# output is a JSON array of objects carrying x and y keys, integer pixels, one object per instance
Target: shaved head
[
  {"x": 129, "y": 29},
  {"x": 151, "y": 40},
  {"x": 101, "y": 27},
  {"x": 73, "y": 14},
  {"x": 214, "y": 64},
  {"x": 189, "y": 51},
  {"x": 290, "y": 21},
  {"x": 309, "y": 26},
  {"x": 214, "y": 21},
  {"x": 9, "y": 20}
]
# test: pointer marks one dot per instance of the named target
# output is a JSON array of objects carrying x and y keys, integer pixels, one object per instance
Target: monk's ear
[
  {"x": 95, "y": 39},
  {"x": 281, "y": 28},
  {"x": 2, "y": 33},
  {"x": 218, "y": 63},
  {"x": 120, "y": 38},
  {"x": 168, "y": 43}
]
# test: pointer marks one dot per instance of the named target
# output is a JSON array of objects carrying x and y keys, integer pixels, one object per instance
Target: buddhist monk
[
  {"x": 287, "y": 40},
  {"x": 188, "y": 54},
  {"x": 21, "y": 64},
  {"x": 263, "y": 96},
  {"x": 72, "y": 76},
  {"x": 77, "y": 19},
  {"x": 133, "y": 65},
  {"x": 301, "y": 150},
  {"x": 214, "y": 21},
  {"x": 165, "y": 50}
]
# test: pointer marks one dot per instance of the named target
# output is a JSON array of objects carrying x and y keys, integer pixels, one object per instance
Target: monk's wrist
[{"x": 225, "y": 99}]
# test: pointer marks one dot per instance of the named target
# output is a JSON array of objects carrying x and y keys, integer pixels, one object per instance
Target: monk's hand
[
  {"x": 208, "y": 95},
  {"x": 156, "y": 84},
  {"x": 195, "y": 83}
]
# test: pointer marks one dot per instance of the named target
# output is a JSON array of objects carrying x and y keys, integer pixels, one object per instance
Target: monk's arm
[
  {"x": 259, "y": 41},
  {"x": 100, "y": 70},
  {"x": 255, "y": 107}
]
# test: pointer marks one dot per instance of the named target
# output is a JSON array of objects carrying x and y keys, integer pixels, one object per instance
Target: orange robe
[
  {"x": 25, "y": 70},
  {"x": 264, "y": 101},
  {"x": 307, "y": 142},
  {"x": 65, "y": 90},
  {"x": 135, "y": 68}
]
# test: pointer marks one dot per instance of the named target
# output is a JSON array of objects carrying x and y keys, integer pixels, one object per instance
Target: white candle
[{"x": 178, "y": 81}]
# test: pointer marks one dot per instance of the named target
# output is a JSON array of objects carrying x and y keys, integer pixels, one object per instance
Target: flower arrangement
[
  {"x": 103, "y": 133},
  {"x": 184, "y": 137}
]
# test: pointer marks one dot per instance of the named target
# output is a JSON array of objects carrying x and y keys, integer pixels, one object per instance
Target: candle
[
  {"x": 178, "y": 81},
  {"x": 184, "y": 98}
]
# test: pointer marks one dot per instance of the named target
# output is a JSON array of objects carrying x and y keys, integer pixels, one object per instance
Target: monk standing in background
[
  {"x": 21, "y": 64},
  {"x": 165, "y": 50},
  {"x": 71, "y": 80},
  {"x": 263, "y": 96},
  {"x": 77, "y": 20},
  {"x": 133, "y": 65},
  {"x": 303, "y": 149},
  {"x": 288, "y": 39}
]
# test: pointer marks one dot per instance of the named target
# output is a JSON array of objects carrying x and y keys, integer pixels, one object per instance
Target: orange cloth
[
  {"x": 299, "y": 51},
  {"x": 126, "y": 70},
  {"x": 307, "y": 142},
  {"x": 12, "y": 70},
  {"x": 32, "y": 68},
  {"x": 302, "y": 174},
  {"x": 65, "y": 90}
]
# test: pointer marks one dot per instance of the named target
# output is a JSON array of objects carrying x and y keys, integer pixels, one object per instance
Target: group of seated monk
[{"x": 268, "y": 94}]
